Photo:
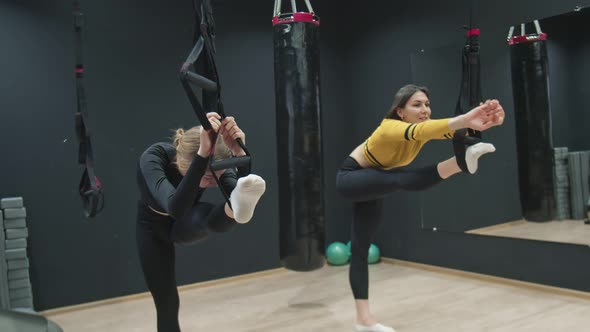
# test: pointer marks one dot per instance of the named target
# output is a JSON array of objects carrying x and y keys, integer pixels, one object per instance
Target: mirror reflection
[{"x": 536, "y": 186}]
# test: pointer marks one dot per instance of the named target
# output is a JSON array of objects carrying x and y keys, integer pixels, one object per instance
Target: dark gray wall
[
  {"x": 387, "y": 34},
  {"x": 133, "y": 51},
  {"x": 568, "y": 48}
]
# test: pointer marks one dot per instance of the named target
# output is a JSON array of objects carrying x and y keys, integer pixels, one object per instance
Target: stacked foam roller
[
  {"x": 4, "y": 303},
  {"x": 579, "y": 164},
  {"x": 15, "y": 235},
  {"x": 562, "y": 183}
]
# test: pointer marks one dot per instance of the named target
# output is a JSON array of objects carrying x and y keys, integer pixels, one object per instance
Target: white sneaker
[{"x": 375, "y": 328}]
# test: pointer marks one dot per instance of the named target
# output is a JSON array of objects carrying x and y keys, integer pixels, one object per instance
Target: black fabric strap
[
  {"x": 90, "y": 187},
  {"x": 209, "y": 83},
  {"x": 469, "y": 97}
]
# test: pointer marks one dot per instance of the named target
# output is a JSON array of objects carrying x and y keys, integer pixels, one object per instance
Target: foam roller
[
  {"x": 16, "y": 233},
  {"x": 22, "y": 303},
  {"x": 16, "y": 264},
  {"x": 18, "y": 274},
  {"x": 14, "y": 213},
  {"x": 15, "y": 244},
  {"x": 11, "y": 202},
  {"x": 19, "y": 283},
  {"x": 20, "y": 293},
  {"x": 12, "y": 254},
  {"x": 15, "y": 223},
  {"x": 4, "y": 300}
]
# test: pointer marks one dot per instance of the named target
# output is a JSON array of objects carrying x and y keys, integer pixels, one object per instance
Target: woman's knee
[
  {"x": 192, "y": 227},
  {"x": 344, "y": 187},
  {"x": 222, "y": 226},
  {"x": 360, "y": 251},
  {"x": 340, "y": 183},
  {"x": 218, "y": 221},
  {"x": 360, "y": 243},
  {"x": 189, "y": 235}
]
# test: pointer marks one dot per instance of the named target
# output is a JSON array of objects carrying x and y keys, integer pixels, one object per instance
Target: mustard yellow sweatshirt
[{"x": 396, "y": 143}]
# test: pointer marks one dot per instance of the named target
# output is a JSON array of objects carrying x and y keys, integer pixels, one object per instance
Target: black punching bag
[
  {"x": 530, "y": 88},
  {"x": 299, "y": 140}
]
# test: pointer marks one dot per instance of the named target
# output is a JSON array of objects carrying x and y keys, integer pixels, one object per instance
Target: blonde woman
[{"x": 171, "y": 180}]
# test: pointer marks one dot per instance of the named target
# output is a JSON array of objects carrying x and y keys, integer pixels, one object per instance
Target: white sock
[
  {"x": 473, "y": 153},
  {"x": 375, "y": 328},
  {"x": 245, "y": 196}
]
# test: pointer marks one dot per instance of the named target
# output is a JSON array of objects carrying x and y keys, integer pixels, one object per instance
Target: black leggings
[
  {"x": 366, "y": 187},
  {"x": 155, "y": 241}
]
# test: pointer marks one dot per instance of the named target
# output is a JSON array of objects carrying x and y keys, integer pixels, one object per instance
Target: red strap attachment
[
  {"x": 297, "y": 17},
  {"x": 473, "y": 32},
  {"x": 527, "y": 39}
]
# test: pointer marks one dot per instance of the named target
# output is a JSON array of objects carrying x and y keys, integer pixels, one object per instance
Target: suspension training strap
[
  {"x": 90, "y": 187},
  {"x": 469, "y": 97},
  {"x": 210, "y": 86}
]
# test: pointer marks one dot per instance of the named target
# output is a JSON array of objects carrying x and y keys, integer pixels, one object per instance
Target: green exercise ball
[
  {"x": 374, "y": 254},
  {"x": 337, "y": 253}
]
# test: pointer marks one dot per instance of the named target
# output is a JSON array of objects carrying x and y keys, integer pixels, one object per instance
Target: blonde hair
[{"x": 187, "y": 142}]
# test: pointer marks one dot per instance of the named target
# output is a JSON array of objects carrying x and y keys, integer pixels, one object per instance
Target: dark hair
[{"x": 401, "y": 99}]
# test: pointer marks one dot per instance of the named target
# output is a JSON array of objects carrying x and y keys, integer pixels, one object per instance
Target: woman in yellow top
[{"x": 375, "y": 168}]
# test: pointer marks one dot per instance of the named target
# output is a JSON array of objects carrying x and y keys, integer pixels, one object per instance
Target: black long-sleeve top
[{"x": 164, "y": 189}]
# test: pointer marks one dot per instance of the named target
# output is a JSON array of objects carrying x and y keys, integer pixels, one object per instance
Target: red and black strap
[
  {"x": 470, "y": 95},
  {"x": 90, "y": 187}
]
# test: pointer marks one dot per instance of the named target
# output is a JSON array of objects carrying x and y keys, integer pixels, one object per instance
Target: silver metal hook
[
  {"x": 510, "y": 33},
  {"x": 538, "y": 27},
  {"x": 277, "y": 10},
  {"x": 309, "y": 6}
]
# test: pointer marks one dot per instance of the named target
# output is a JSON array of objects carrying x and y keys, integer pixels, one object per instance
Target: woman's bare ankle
[
  {"x": 366, "y": 321},
  {"x": 363, "y": 313}
]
